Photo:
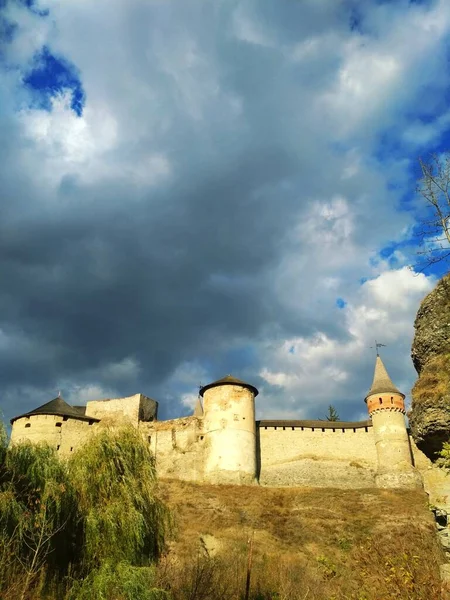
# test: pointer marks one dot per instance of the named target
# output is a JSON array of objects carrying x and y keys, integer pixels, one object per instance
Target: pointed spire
[
  {"x": 198, "y": 410},
  {"x": 382, "y": 383}
]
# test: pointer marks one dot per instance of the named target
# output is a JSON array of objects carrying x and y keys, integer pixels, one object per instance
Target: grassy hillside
[{"x": 307, "y": 543}]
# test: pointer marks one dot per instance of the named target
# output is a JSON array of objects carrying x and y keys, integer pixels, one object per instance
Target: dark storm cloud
[{"x": 99, "y": 265}]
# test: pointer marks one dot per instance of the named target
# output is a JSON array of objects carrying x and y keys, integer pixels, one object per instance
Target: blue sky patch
[
  {"x": 341, "y": 303},
  {"x": 51, "y": 76},
  {"x": 32, "y": 6}
]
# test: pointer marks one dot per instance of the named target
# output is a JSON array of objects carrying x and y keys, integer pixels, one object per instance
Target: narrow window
[
  {"x": 312, "y": 428},
  {"x": 58, "y": 447},
  {"x": 323, "y": 429},
  {"x": 201, "y": 437},
  {"x": 381, "y": 400},
  {"x": 334, "y": 430},
  {"x": 149, "y": 439},
  {"x": 71, "y": 448},
  {"x": 392, "y": 400},
  {"x": 284, "y": 428},
  {"x": 58, "y": 424},
  {"x": 293, "y": 428},
  {"x": 366, "y": 429},
  {"x": 354, "y": 430},
  {"x": 27, "y": 424}
]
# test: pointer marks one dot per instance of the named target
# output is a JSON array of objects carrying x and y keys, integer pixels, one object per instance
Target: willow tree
[
  {"x": 123, "y": 520},
  {"x": 38, "y": 513}
]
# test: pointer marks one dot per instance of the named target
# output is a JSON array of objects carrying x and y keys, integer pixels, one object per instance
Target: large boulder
[{"x": 429, "y": 417}]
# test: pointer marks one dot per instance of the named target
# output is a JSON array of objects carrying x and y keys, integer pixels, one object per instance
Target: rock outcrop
[{"x": 430, "y": 412}]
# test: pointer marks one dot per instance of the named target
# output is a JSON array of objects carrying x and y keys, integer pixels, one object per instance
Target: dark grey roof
[
  {"x": 382, "y": 383},
  {"x": 80, "y": 409},
  {"x": 315, "y": 423},
  {"x": 57, "y": 406},
  {"x": 229, "y": 380}
]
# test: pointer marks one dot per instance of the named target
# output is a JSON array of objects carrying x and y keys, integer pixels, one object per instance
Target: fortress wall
[
  {"x": 115, "y": 408},
  {"x": 324, "y": 458},
  {"x": 65, "y": 435},
  {"x": 179, "y": 447}
]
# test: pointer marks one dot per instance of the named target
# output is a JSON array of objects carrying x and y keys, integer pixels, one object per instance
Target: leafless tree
[{"x": 434, "y": 187}]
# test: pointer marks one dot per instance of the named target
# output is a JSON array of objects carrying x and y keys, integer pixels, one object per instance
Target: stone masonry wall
[
  {"x": 179, "y": 446},
  {"x": 65, "y": 434},
  {"x": 131, "y": 409},
  {"x": 343, "y": 458}
]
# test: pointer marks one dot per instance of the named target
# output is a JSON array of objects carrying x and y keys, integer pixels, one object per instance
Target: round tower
[
  {"x": 230, "y": 431},
  {"x": 386, "y": 405}
]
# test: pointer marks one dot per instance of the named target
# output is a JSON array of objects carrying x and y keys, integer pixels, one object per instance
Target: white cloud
[{"x": 318, "y": 370}]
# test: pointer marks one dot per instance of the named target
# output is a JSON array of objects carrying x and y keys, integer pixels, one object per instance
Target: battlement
[{"x": 314, "y": 425}]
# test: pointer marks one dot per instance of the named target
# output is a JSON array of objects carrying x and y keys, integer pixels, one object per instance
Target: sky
[{"x": 192, "y": 189}]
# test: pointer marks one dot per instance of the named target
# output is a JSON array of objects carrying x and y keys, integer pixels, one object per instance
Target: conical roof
[
  {"x": 229, "y": 380},
  {"x": 198, "y": 410},
  {"x": 57, "y": 406},
  {"x": 382, "y": 383}
]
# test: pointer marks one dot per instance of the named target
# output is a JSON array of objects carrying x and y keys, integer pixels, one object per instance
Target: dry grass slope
[{"x": 308, "y": 543}]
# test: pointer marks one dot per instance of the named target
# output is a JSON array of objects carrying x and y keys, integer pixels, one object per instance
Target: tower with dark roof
[
  {"x": 230, "y": 431},
  {"x": 386, "y": 405}
]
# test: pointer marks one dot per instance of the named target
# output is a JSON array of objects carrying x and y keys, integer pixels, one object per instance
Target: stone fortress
[{"x": 223, "y": 443}]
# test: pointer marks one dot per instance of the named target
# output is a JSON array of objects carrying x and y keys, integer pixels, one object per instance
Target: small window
[
  {"x": 65, "y": 418},
  {"x": 58, "y": 424},
  {"x": 201, "y": 437},
  {"x": 381, "y": 400},
  {"x": 392, "y": 400},
  {"x": 71, "y": 448},
  {"x": 91, "y": 422},
  {"x": 58, "y": 447},
  {"x": 27, "y": 424}
]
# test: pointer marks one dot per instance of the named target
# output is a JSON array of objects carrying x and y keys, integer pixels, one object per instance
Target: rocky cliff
[{"x": 430, "y": 412}]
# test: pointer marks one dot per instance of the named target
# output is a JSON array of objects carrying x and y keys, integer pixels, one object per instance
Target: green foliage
[
  {"x": 37, "y": 508},
  {"x": 118, "y": 582},
  {"x": 444, "y": 456},
  {"x": 123, "y": 519},
  {"x": 94, "y": 522},
  {"x": 332, "y": 414}
]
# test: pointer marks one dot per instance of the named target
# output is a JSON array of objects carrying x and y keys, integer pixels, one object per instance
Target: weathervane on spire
[{"x": 377, "y": 346}]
